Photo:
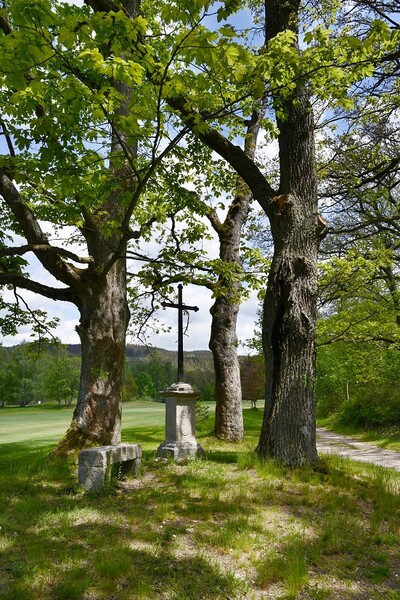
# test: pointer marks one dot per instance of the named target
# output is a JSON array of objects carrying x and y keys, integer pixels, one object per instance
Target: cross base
[
  {"x": 180, "y": 450},
  {"x": 180, "y": 409}
]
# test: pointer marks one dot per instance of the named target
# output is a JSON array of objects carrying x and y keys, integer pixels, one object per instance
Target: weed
[
  {"x": 319, "y": 593},
  {"x": 337, "y": 534},
  {"x": 377, "y": 573},
  {"x": 72, "y": 585}
]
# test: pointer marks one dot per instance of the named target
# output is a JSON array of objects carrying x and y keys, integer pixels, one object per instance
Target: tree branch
[
  {"x": 49, "y": 258},
  {"x": 233, "y": 154},
  {"x": 63, "y": 294},
  {"x": 21, "y": 250},
  {"x": 8, "y": 139}
]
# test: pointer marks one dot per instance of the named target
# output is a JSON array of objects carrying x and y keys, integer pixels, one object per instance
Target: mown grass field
[
  {"x": 230, "y": 526},
  {"x": 45, "y": 424}
]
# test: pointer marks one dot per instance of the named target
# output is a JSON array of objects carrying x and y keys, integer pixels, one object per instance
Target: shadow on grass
[
  {"x": 222, "y": 456},
  {"x": 252, "y": 419},
  {"x": 77, "y": 548},
  {"x": 140, "y": 574},
  {"x": 61, "y": 543},
  {"x": 171, "y": 532},
  {"x": 17, "y": 455},
  {"x": 163, "y": 536}
]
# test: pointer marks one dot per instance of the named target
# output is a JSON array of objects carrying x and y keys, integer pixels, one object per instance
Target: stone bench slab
[{"x": 96, "y": 464}]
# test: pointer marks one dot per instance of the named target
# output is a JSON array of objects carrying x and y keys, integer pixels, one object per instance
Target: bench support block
[{"x": 95, "y": 465}]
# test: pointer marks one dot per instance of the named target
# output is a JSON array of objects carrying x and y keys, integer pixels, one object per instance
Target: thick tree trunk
[
  {"x": 101, "y": 295},
  {"x": 228, "y": 391},
  {"x": 104, "y": 319},
  {"x": 223, "y": 338},
  {"x": 288, "y": 432}
]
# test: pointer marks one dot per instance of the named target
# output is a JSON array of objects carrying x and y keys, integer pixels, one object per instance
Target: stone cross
[{"x": 181, "y": 308}]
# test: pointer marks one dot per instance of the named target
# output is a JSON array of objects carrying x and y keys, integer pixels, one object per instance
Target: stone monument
[
  {"x": 180, "y": 408},
  {"x": 180, "y": 403}
]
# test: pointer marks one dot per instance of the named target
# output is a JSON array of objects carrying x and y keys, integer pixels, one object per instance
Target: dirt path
[{"x": 329, "y": 442}]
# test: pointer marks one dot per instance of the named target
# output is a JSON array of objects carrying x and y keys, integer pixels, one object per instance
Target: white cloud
[{"x": 198, "y": 333}]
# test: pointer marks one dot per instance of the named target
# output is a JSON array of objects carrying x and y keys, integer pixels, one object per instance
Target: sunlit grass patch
[{"x": 229, "y": 526}]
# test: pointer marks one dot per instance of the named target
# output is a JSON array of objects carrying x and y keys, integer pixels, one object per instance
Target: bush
[
  {"x": 374, "y": 407},
  {"x": 329, "y": 403}
]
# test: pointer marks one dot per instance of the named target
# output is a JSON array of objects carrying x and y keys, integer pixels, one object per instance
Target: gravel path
[{"x": 329, "y": 442}]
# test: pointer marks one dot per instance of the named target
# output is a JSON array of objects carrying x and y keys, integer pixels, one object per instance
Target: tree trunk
[
  {"x": 228, "y": 391},
  {"x": 288, "y": 431},
  {"x": 102, "y": 328},
  {"x": 102, "y": 294},
  {"x": 224, "y": 312},
  {"x": 223, "y": 339}
]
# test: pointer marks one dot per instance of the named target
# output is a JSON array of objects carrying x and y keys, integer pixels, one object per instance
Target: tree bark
[
  {"x": 224, "y": 312},
  {"x": 288, "y": 431},
  {"x": 104, "y": 312},
  {"x": 228, "y": 391},
  {"x": 104, "y": 317},
  {"x": 223, "y": 339},
  {"x": 99, "y": 292}
]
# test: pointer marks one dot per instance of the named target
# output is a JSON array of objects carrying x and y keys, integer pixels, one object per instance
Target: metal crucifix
[{"x": 181, "y": 307}]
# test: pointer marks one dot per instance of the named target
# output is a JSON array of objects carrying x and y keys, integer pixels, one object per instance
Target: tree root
[{"x": 74, "y": 440}]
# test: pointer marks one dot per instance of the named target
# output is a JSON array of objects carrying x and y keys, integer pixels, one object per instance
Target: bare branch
[
  {"x": 233, "y": 154},
  {"x": 8, "y": 139},
  {"x": 21, "y": 250},
  {"x": 40, "y": 326},
  {"x": 35, "y": 236},
  {"x": 64, "y": 294}
]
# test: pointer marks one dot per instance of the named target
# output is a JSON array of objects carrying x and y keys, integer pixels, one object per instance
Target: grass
[
  {"x": 45, "y": 424},
  {"x": 230, "y": 526}
]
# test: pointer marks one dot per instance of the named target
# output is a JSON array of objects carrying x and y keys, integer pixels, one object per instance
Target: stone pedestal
[{"x": 180, "y": 441}]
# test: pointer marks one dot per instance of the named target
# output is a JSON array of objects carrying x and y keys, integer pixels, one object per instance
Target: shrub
[{"x": 371, "y": 408}]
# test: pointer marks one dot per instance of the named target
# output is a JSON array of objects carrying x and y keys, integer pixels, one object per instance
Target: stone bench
[{"x": 95, "y": 465}]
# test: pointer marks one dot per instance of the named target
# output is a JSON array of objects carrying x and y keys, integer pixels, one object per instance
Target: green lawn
[
  {"x": 45, "y": 424},
  {"x": 230, "y": 526}
]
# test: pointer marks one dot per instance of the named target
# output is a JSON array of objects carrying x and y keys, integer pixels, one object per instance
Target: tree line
[
  {"x": 29, "y": 375},
  {"x": 356, "y": 380}
]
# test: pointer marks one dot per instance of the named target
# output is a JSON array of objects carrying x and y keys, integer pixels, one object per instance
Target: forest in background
[
  {"x": 29, "y": 375},
  {"x": 357, "y": 383}
]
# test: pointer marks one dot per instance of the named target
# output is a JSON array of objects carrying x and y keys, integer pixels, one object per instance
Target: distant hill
[{"x": 137, "y": 352}]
